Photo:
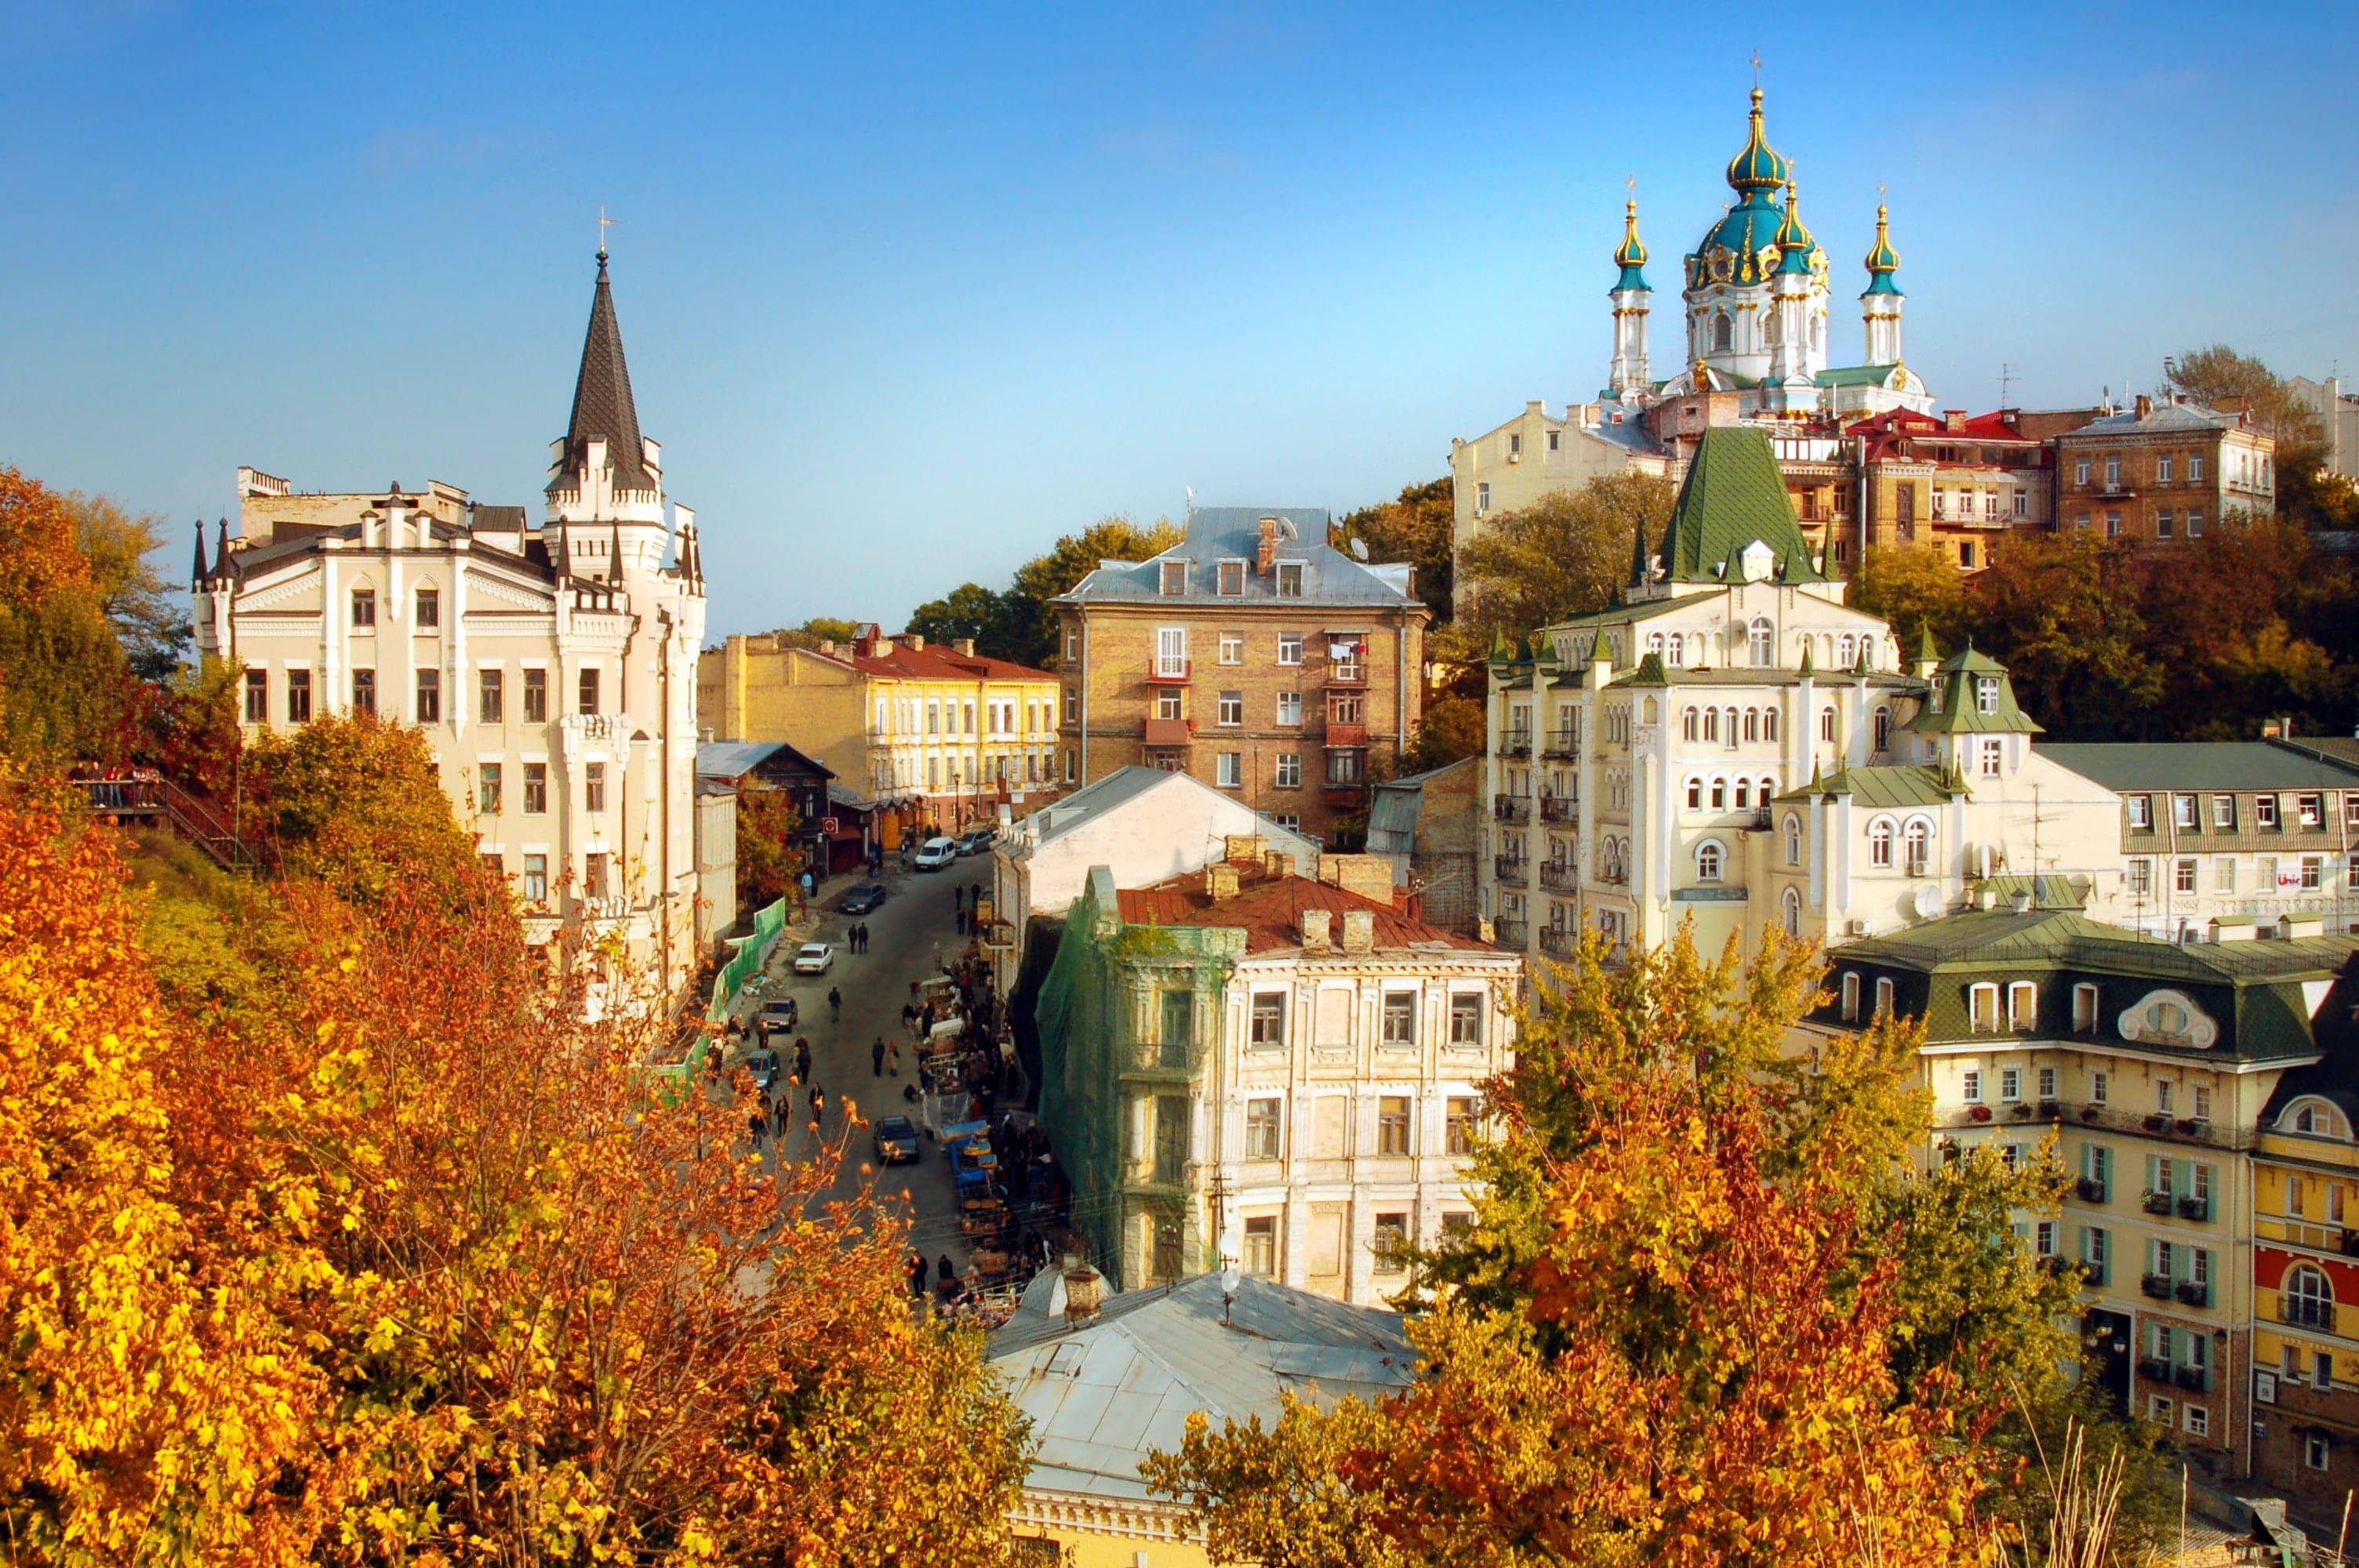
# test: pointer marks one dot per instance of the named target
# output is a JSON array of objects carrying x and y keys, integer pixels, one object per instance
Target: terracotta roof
[
  {"x": 1893, "y": 426},
  {"x": 1268, "y": 910},
  {"x": 935, "y": 662}
]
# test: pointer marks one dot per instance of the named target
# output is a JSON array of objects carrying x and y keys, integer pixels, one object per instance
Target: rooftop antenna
[{"x": 2006, "y": 374}]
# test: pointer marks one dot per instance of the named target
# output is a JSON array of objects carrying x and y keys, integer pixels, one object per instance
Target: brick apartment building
[
  {"x": 1252, "y": 655},
  {"x": 2163, "y": 470}
]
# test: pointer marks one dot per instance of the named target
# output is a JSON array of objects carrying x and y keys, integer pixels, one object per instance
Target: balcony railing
[
  {"x": 1556, "y": 942},
  {"x": 1512, "y": 807},
  {"x": 2157, "y": 1203},
  {"x": 1168, "y": 672},
  {"x": 1345, "y": 732},
  {"x": 1517, "y": 743},
  {"x": 2198, "y": 1207},
  {"x": 1169, "y": 731},
  {"x": 1560, "y": 876},
  {"x": 2091, "y": 1190},
  {"x": 1512, "y": 869},
  {"x": 1514, "y": 933},
  {"x": 2197, "y": 1379},
  {"x": 1561, "y": 743},
  {"x": 2195, "y": 1293},
  {"x": 1560, "y": 808},
  {"x": 2156, "y": 1285},
  {"x": 2306, "y": 1311}
]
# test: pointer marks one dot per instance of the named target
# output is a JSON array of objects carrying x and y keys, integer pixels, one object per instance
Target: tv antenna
[{"x": 2006, "y": 374}]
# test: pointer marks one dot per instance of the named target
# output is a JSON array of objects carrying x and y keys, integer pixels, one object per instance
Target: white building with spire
[{"x": 551, "y": 664}]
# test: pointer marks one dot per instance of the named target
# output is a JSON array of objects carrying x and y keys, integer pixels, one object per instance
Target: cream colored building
[
  {"x": 948, "y": 734},
  {"x": 552, "y": 665},
  {"x": 1537, "y": 453}
]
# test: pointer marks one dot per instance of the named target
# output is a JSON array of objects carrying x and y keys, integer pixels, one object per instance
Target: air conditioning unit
[
  {"x": 1854, "y": 927},
  {"x": 1916, "y": 867}
]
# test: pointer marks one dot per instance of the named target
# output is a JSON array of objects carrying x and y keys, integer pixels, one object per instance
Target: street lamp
[{"x": 1231, "y": 1278}]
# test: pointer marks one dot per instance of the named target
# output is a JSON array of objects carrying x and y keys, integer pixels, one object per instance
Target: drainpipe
[
  {"x": 1400, "y": 691},
  {"x": 1085, "y": 701}
]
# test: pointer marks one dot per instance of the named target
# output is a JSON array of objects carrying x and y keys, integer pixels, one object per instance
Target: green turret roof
[
  {"x": 1926, "y": 653},
  {"x": 1631, "y": 255},
  {"x": 1883, "y": 261},
  {"x": 1733, "y": 497},
  {"x": 1756, "y": 166},
  {"x": 1958, "y": 706},
  {"x": 1795, "y": 247}
]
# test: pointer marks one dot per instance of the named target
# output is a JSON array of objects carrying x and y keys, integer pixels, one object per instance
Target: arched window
[
  {"x": 1744, "y": 794},
  {"x": 1883, "y": 729},
  {"x": 1818, "y": 326},
  {"x": 1761, "y": 640},
  {"x": 1678, "y": 650},
  {"x": 2308, "y": 1296},
  {"x": 1766, "y": 787},
  {"x": 1879, "y": 842},
  {"x": 1769, "y": 724},
  {"x": 1723, "y": 333},
  {"x": 1732, "y": 728},
  {"x": 2315, "y": 1117},
  {"x": 1846, "y": 650},
  {"x": 1793, "y": 912},
  {"x": 1720, "y": 794},
  {"x": 1709, "y": 855},
  {"x": 1688, "y": 724},
  {"x": 1753, "y": 724},
  {"x": 1918, "y": 837},
  {"x": 1695, "y": 795},
  {"x": 1711, "y": 723},
  {"x": 1793, "y": 839},
  {"x": 1654, "y": 642},
  {"x": 1826, "y": 725},
  {"x": 1614, "y": 649}
]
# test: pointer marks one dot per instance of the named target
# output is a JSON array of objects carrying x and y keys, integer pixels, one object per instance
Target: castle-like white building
[{"x": 551, "y": 666}]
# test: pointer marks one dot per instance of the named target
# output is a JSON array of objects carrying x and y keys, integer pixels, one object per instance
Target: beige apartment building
[
  {"x": 946, "y": 735},
  {"x": 2163, "y": 471},
  {"x": 552, "y": 665},
  {"x": 1253, "y": 656}
]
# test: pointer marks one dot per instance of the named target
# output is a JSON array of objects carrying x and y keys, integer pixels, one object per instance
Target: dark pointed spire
[
  {"x": 1638, "y": 556},
  {"x": 197, "y": 573},
  {"x": 602, "y": 400},
  {"x": 220, "y": 548}
]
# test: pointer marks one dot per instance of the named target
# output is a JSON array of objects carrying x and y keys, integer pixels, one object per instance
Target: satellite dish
[
  {"x": 1929, "y": 902},
  {"x": 1359, "y": 549}
]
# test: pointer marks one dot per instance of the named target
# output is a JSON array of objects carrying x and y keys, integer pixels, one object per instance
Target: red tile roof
[
  {"x": 936, "y": 661},
  {"x": 1268, "y": 910},
  {"x": 1886, "y": 429}
]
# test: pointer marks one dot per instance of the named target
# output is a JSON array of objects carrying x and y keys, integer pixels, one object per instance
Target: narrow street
[{"x": 912, "y": 936}]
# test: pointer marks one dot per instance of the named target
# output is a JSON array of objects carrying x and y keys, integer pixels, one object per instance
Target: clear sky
[{"x": 909, "y": 292}]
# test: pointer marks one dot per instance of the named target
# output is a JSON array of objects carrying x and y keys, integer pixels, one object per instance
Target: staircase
[{"x": 193, "y": 819}]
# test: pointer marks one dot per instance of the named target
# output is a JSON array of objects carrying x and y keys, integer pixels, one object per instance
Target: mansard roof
[{"x": 1734, "y": 496}]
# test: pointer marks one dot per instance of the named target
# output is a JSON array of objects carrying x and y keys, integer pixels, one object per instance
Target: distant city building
[
  {"x": 1253, "y": 656},
  {"x": 1427, "y": 825},
  {"x": 2337, "y": 420},
  {"x": 552, "y": 665},
  {"x": 2162, "y": 471}
]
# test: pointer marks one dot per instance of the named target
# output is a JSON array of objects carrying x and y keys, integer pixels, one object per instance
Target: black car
[
  {"x": 975, "y": 843},
  {"x": 862, "y": 899},
  {"x": 895, "y": 1140}
]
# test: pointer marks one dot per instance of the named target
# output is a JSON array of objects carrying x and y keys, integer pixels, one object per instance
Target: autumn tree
[
  {"x": 1414, "y": 527},
  {"x": 1565, "y": 554},
  {"x": 768, "y": 863},
  {"x": 1915, "y": 589},
  {"x": 356, "y": 802},
  {"x": 2061, "y": 613},
  {"x": 149, "y": 615},
  {"x": 64, "y": 691},
  {"x": 1449, "y": 727}
]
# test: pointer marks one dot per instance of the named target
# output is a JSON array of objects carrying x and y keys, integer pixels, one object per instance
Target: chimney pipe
[{"x": 1084, "y": 1290}]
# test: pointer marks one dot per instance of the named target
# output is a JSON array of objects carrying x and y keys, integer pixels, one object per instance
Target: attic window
[
  {"x": 1986, "y": 694},
  {"x": 1290, "y": 579},
  {"x": 1175, "y": 578},
  {"x": 1232, "y": 578}
]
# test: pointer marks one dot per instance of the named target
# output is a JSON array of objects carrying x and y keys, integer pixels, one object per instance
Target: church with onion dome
[{"x": 1754, "y": 296}]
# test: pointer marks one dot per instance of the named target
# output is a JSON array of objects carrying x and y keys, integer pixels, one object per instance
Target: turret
[
  {"x": 1880, "y": 303},
  {"x": 197, "y": 573},
  {"x": 605, "y": 484},
  {"x": 1629, "y": 378},
  {"x": 1790, "y": 289}
]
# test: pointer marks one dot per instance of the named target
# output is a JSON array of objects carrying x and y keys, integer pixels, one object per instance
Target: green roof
[
  {"x": 1911, "y": 783},
  {"x": 1734, "y": 496},
  {"x": 1601, "y": 618},
  {"x": 1957, "y": 707},
  {"x": 2199, "y": 766},
  {"x": 1649, "y": 673},
  {"x": 1856, "y": 375}
]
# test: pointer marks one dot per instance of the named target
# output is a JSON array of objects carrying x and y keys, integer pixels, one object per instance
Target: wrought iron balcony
[
  {"x": 1557, "y": 942},
  {"x": 1513, "y": 933},
  {"x": 1560, "y": 743},
  {"x": 1512, "y": 807},
  {"x": 2305, "y": 1312},
  {"x": 1512, "y": 869},
  {"x": 1561, "y": 876},
  {"x": 1560, "y": 808},
  {"x": 1517, "y": 743}
]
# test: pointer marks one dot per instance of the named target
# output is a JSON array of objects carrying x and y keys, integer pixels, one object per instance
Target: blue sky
[{"x": 909, "y": 292}]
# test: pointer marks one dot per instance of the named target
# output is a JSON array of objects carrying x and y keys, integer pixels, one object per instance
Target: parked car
[
  {"x": 895, "y": 1140},
  {"x": 977, "y": 842},
  {"x": 862, "y": 899},
  {"x": 814, "y": 958},
  {"x": 781, "y": 1013},
  {"x": 936, "y": 853},
  {"x": 764, "y": 1065}
]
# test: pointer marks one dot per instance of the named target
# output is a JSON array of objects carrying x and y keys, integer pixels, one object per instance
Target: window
[
  {"x": 594, "y": 876},
  {"x": 1708, "y": 861},
  {"x": 1400, "y": 1019},
  {"x": 429, "y": 609},
  {"x": 2113, "y": 472},
  {"x": 1260, "y": 1257},
  {"x": 594, "y": 787},
  {"x": 1458, "y": 1124},
  {"x": 2313, "y": 872},
  {"x": 2022, "y": 1005},
  {"x": 1879, "y": 842},
  {"x": 1073, "y": 765},
  {"x": 1883, "y": 729},
  {"x": 1390, "y": 1244},
  {"x": 258, "y": 697},
  {"x": 1171, "y": 1140},
  {"x": 1850, "y": 996},
  {"x": 2022, "y": 502},
  {"x": 2113, "y": 524},
  {"x": 2081, "y": 471},
  {"x": 1793, "y": 840},
  {"x": 589, "y": 692},
  {"x": 430, "y": 697},
  {"x": 1170, "y": 651},
  {"x": 487, "y": 789},
  {"x": 1723, "y": 333},
  {"x": 2010, "y": 1084},
  {"x": 2097, "y": 1085},
  {"x": 2306, "y": 1298},
  {"x": 1344, "y": 766},
  {"x": 1233, "y": 648},
  {"x": 1289, "y": 647},
  {"x": 2322, "y": 1368},
  {"x": 491, "y": 697},
  {"x": 2046, "y": 1083},
  {"x": 1290, "y": 770},
  {"x": 1555, "y": 440},
  {"x": 1232, "y": 709},
  {"x": 1481, "y": 497},
  {"x": 535, "y": 697},
  {"x": 1981, "y": 1007},
  {"x": 1514, "y": 446},
  {"x": 2182, "y": 809},
  {"x": 1229, "y": 771},
  {"x": 2141, "y": 812},
  {"x": 2309, "y": 809},
  {"x": 1970, "y": 1085},
  {"x": 1266, "y": 1028},
  {"x": 2183, "y": 877},
  {"x": 364, "y": 606},
  {"x": 1993, "y": 752},
  {"x": 2195, "y": 467},
  {"x": 1289, "y": 708},
  {"x": 536, "y": 879},
  {"x": 2139, "y": 877},
  {"x": 1720, "y": 794},
  {"x": 2195, "y": 522},
  {"x": 2224, "y": 874},
  {"x": 1392, "y": 1124},
  {"x": 299, "y": 697},
  {"x": 535, "y": 788},
  {"x": 1072, "y": 643},
  {"x": 1826, "y": 725},
  {"x": 2313, "y": 1450},
  {"x": 1232, "y": 579},
  {"x": 2265, "y": 810},
  {"x": 2162, "y": 524},
  {"x": 1883, "y": 995},
  {"x": 2162, "y": 469},
  {"x": 1175, "y": 578},
  {"x": 1466, "y": 1019},
  {"x": 1919, "y": 842},
  {"x": 363, "y": 691},
  {"x": 1290, "y": 579}
]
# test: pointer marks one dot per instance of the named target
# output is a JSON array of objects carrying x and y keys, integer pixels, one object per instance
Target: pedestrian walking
[
  {"x": 834, "y": 1003},
  {"x": 916, "y": 1269},
  {"x": 864, "y": 936},
  {"x": 802, "y": 1061},
  {"x": 757, "y": 1124},
  {"x": 958, "y": 896},
  {"x": 876, "y": 1058},
  {"x": 895, "y": 1058},
  {"x": 961, "y": 922}
]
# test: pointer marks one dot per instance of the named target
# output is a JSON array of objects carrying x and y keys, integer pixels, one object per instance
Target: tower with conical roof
[
  {"x": 1629, "y": 376},
  {"x": 1880, "y": 303},
  {"x": 605, "y": 497}
]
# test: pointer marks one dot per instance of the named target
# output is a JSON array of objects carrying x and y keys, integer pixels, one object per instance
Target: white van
[{"x": 936, "y": 853}]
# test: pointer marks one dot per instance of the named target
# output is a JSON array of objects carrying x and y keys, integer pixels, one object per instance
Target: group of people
[{"x": 855, "y": 940}]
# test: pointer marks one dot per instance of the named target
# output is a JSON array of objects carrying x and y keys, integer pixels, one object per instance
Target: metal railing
[
  {"x": 1561, "y": 876},
  {"x": 2306, "y": 1311},
  {"x": 1561, "y": 743},
  {"x": 1514, "y": 933},
  {"x": 1512, "y": 807},
  {"x": 193, "y": 819},
  {"x": 1517, "y": 743},
  {"x": 1557, "y": 942},
  {"x": 1560, "y": 808},
  {"x": 1512, "y": 869}
]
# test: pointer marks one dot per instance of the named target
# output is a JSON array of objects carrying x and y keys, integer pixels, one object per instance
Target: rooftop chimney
[
  {"x": 1315, "y": 925},
  {"x": 964, "y": 646},
  {"x": 1359, "y": 931},
  {"x": 2145, "y": 406},
  {"x": 827, "y": 647},
  {"x": 1220, "y": 880},
  {"x": 914, "y": 641},
  {"x": 1268, "y": 552},
  {"x": 1953, "y": 418},
  {"x": 1084, "y": 1289},
  {"x": 1246, "y": 848},
  {"x": 1370, "y": 876}
]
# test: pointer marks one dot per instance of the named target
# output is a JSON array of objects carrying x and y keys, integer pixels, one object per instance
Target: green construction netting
[{"x": 752, "y": 953}]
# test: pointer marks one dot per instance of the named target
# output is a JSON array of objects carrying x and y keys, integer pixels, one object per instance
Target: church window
[
  {"x": 1847, "y": 649},
  {"x": 1791, "y": 906},
  {"x": 1793, "y": 840},
  {"x": 1744, "y": 794},
  {"x": 1720, "y": 794},
  {"x": 1826, "y": 725},
  {"x": 1883, "y": 729},
  {"x": 1695, "y": 795},
  {"x": 1654, "y": 642},
  {"x": 1723, "y": 333},
  {"x": 1709, "y": 855},
  {"x": 1753, "y": 724},
  {"x": 1879, "y": 843},
  {"x": 1676, "y": 649},
  {"x": 1769, "y": 724},
  {"x": 1711, "y": 723},
  {"x": 1918, "y": 837}
]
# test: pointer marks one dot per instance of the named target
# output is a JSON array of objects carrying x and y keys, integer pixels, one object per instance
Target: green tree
[
  {"x": 1566, "y": 554},
  {"x": 1031, "y": 624},
  {"x": 1914, "y": 587},
  {"x": 816, "y": 630},
  {"x": 1414, "y": 527},
  {"x": 148, "y": 614},
  {"x": 1451, "y": 727},
  {"x": 2061, "y": 613},
  {"x": 356, "y": 803},
  {"x": 970, "y": 609},
  {"x": 2307, "y": 491}
]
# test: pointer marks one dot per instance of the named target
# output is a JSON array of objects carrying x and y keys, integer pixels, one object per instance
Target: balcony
[
  {"x": 2157, "y": 1203},
  {"x": 2306, "y": 1311},
  {"x": 1560, "y": 808},
  {"x": 2195, "y": 1293},
  {"x": 1170, "y": 732},
  {"x": 2091, "y": 1190},
  {"x": 2348, "y": 1243},
  {"x": 2154, "y": 1371},
  {"x": 1560, "y": 743},
  {"x": 2195, "y": 1379},
  {"x": 1351, "y": 674},
  {"x": 998, "y": 937},
  {"x": 1169, "y": 672},
  {"x": 1517, "y": 744},
  {"x": 1341, "y": 732},
  {"x": 1512, "y": 933},
  {"x": 1559, "y": 876},
  {"x": 1513, "y": 870},
  {"x": 1557, "y": 942},
  {"x": 1512, "y": 807},
  {"x": 1341, "y": 794},
  {"x": 2156, "y": 1285},
  {"x": 2195, "y": 1207}
]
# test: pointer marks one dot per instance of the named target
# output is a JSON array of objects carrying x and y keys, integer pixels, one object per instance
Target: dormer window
[
  {"x": 2265, "y": 810},
  {"x": 1175, "y": 578},
  {"x": 1290, "y": 579},
  {"x": 2311, "y": 808},
  {"x": 1233, "y": 578},
  {"x": 1986, "y": 694},
  {"x": 2183, "y": 807},
  {"x": 2141, "y": 812}
]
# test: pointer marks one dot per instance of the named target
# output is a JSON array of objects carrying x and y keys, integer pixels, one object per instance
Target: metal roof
[
  {"x": 1905, "y": 784},
  {"x": 1216, "y": 534},
  {"x": 2199, "y": 765}
]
